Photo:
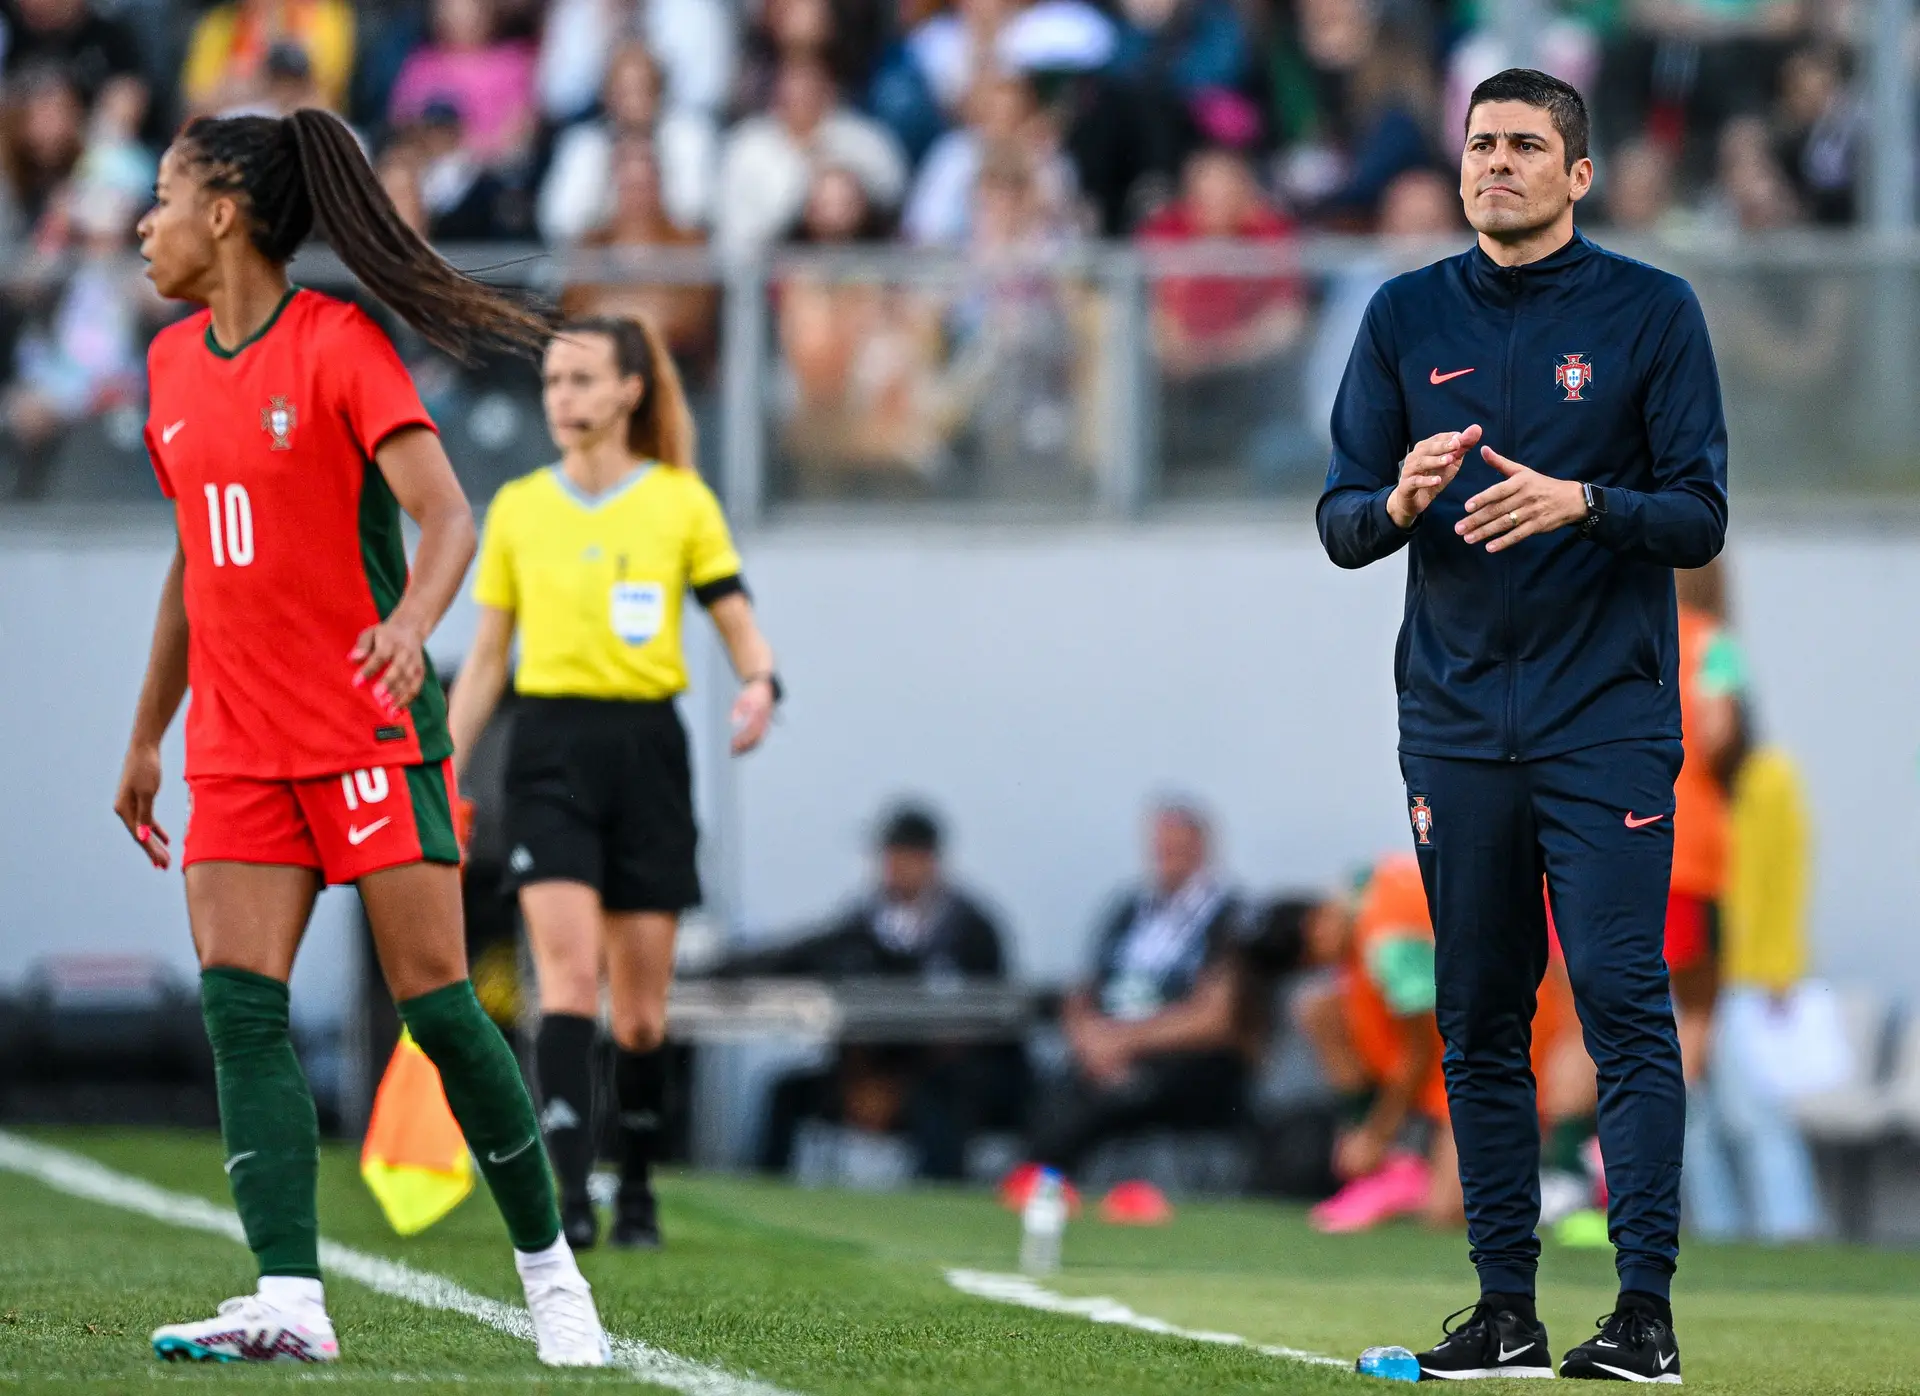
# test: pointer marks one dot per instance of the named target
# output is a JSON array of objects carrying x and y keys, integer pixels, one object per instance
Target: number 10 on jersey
[{"x": 233, "y": 542}]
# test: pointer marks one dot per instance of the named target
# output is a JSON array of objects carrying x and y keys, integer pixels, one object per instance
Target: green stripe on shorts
[{"x": 432, "y": 814}]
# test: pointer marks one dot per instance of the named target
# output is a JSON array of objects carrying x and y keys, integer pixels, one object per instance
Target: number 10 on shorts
[{"x": 368, "y": 787}]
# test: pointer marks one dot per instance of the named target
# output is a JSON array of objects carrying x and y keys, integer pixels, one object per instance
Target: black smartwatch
[
  {"x": 773, "y": 682},
  {"x": 1596, "y": 499}
]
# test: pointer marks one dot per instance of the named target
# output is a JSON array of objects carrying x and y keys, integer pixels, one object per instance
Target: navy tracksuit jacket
[{"x": 1539, "y": 699}]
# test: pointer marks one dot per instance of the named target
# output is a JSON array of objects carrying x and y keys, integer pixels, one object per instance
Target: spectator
[
  {"x": 226, "y": 63},
  {"x": 1753, "y": 193},
  {"x": 901, "y": 94},
  {"x": 488, "y": 80},
  {"x": 578, "y": 192},
  {"x": 914, "y": 925},
  {"x": 1155, "y": 1034},
  {"x": 1223, "y": 341},
  {"x": 785, "y": 29},
  {"x": 1015, "y": 395},
  {"x": 1388, "y": 114},
  {"x": 42, "y": 137},
  {"x": 1419, "y": 209},
  {"x": 858, "y": 357},
  {"x": 399, "y": 171},
  {"x": 1003, "y": 116},
  {"x": 1818, "y": 131},
  {"x": 286, "y": 84},
  {"x": 944, "y": 40},
  {"x": 90, "y": 355},
  {"x": 1638, "y": 194},
  {"x": 687, "y": 315},
  {"x": 1179, "y": 68},
  {"x": 768, "y": 162},
  {"x": 98, "y": 54},
  {"x": 465, "y": 201},
  {"x": 1310, "y": 65},
  {"x": 692, "y": 41}
]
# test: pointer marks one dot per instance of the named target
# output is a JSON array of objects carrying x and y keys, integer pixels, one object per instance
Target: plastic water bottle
[
  {"x": 1043, "y": 1221},
  {"x": 1393, "y": 1364}
]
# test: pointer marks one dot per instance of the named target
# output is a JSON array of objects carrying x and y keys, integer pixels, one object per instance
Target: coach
[{"x": 1538, "y": 421}]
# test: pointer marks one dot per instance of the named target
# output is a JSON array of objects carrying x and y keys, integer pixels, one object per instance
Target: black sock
[
  {"x": 640, "y": 1086},
  {"x": 1658, "y": 1305},
  {"x": 563, "y": 1060},
  {"x": 1519, "y": 1305}
]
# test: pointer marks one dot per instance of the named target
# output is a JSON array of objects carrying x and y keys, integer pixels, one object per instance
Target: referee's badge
[
  {"x": 1573, "y": 373},
  {"x": 1422, "y": 815}
]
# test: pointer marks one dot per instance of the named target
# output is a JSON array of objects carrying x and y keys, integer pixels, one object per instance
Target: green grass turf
[{"x": 838, "y": 1293}]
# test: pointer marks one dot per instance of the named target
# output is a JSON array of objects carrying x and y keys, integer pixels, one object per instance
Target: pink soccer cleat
[{"x": 1395, "y": 1189}]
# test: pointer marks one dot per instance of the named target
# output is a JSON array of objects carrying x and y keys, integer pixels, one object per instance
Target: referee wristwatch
[
  {"x": 1596, "y": 499},
  {"x": 773, "y": 682}
]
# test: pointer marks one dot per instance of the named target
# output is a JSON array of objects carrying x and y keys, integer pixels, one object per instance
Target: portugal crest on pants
[
  {"x": 278, "y": 419},
  {"x": 1573, "y": 373},
  {"x": 1422, "y": 815}
]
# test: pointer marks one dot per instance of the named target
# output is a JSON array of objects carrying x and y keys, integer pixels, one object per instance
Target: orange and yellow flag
[{"x": 415, "y": 1159}]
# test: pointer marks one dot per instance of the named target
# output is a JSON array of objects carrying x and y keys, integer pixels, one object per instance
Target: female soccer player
[
  {"x": 290, "y": 438},
  {"x": 591, "y": 559}
]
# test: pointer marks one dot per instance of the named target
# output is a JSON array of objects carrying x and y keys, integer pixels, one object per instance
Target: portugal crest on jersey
[
  {"x": 278, "y": 419},
  {"x": 1422, "y": 815},
  {"x": 1573, "y": 373}
]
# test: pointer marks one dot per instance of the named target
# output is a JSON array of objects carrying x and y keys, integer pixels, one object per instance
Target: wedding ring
[{"x": 1513, "y": 516}]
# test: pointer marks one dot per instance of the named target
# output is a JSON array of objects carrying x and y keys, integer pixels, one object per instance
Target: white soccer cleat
[
  {"x": 251, "y": 1329},
  {"x": 566, "y": 1326}
]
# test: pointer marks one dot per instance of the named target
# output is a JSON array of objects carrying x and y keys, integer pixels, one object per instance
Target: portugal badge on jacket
[
  {"x": 1573, "y": 373},
  {"x": 1422, "y": 815}
]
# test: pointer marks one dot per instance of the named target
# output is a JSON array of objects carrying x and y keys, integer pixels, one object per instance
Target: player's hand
[
  {"x": 139, "y": 783},
  {"x": 752, "y": 714},
  {"x": 1428, "y": 469},
  {"x": 1523, "y": 504},
  {"x": 392, "y": 657},
  {"x": 1358, "y": 1153},
  {"x": 1102, "y": 1052}
]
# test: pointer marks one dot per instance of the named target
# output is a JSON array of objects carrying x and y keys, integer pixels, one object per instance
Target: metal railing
[{"x": 1096, "y": 380}]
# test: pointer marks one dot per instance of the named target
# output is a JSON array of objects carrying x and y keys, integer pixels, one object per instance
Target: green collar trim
[{"x": 258, "y": 335}]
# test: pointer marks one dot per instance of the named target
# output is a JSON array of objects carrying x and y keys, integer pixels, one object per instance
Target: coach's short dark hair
[{"x": 1559, "y": 100}]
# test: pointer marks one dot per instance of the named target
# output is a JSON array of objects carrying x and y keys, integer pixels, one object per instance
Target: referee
[
  {"x": 1537, "y": 669},
  {"x": 591, "y": 559}
]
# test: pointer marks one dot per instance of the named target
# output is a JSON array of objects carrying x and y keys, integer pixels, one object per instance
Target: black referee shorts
[{"x": 601, "y": 792}]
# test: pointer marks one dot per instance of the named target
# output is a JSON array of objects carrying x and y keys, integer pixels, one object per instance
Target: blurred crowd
[{"x": 984, "y": 126}]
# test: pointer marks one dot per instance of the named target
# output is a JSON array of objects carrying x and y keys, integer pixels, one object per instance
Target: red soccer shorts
[{"x": 343, "y": 826}]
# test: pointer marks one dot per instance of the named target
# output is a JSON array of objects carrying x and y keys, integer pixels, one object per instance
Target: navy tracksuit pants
[{"x": 1596, "y": 824}]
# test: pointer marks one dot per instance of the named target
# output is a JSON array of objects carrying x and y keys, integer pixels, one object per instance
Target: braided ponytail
[{"x": 306, "y": 171}]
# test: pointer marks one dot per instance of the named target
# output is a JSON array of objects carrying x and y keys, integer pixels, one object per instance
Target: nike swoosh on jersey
[
  {"x": 510, "y": 1155},
  {"x": 1436, "y": 377},
  {"x": 167, "y": 433},
  {"x": 1635, "y": 823},
  {"x": 357, "y": 836}
]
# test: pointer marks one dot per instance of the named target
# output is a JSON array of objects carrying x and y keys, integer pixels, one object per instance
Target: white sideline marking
[
  {"x": 80, "y": 1176},
  {"x": 1018, "y": 1289}
]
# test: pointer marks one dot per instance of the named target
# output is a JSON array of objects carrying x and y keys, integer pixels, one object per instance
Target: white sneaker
[
  {"x": 250, "y": 1329},
  {"x": 566, "y": 1326}
]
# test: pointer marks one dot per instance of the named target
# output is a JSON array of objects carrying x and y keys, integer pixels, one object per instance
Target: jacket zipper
[{"x": 1510, "y": 734}]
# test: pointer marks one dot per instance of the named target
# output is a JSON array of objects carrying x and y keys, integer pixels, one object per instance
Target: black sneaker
[
  {"x": 1633, "y": 1344},
  {"x": 579, "y": 1224},
  {"x": 1491, "y": 1343},
  {"x": 636, "y": 1220}
]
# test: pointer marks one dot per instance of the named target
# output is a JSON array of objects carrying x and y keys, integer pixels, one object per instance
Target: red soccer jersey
[{"x": 291, "y": 536}]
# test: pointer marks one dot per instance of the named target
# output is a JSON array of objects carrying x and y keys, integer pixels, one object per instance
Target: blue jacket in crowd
[{"x": 1584, "y": 365}]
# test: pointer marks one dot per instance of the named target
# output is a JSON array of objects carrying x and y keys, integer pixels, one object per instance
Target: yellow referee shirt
[{"x": 597, "y": 585}]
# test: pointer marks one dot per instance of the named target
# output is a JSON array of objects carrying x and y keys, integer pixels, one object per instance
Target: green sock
[
  {"x": 489, "y": 1099},
  {"x": 1565, "y": 1141},
  {"x": 266, "y": 1119}
]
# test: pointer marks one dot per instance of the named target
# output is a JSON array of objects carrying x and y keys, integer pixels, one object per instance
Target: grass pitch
[{"x": 838, "y": 1293}]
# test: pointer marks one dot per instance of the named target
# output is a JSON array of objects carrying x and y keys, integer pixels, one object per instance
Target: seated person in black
[
  {"x": 1158, "y": 1034},
  {"x": 913, "y": 925}
]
